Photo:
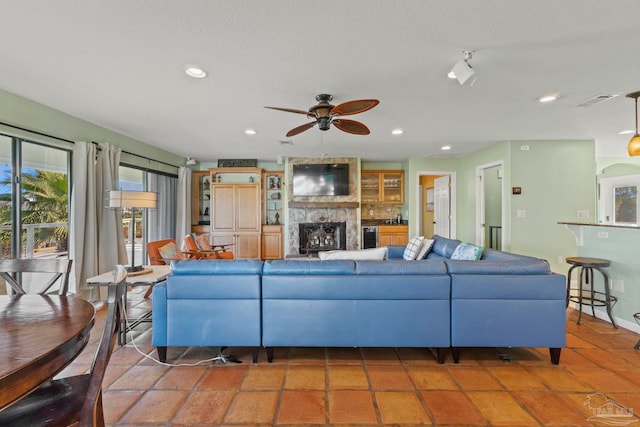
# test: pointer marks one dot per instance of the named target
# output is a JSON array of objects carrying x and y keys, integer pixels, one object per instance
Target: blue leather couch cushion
[
  {"x": 443, "y": 247},
  {"x": 216, "y": 266},
  {"x": 507, "y": 287},
  {"x": 400, "y": 266},
  {"x": 517, "y": 266},
  {"x": 215, "y": 279},
  {"x": 306, "y": 267}
]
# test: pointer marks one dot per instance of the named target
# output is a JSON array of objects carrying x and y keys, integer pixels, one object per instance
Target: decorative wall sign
[
  {"x": 516, "y": 190},
  {"x": 237, "y": 163}
]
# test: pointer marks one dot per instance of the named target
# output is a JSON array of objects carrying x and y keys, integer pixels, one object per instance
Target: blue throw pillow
[{"x": 467, "y": 251}]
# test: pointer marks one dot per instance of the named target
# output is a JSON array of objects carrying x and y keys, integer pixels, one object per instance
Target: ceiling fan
[{"x": 325, "y": 114}]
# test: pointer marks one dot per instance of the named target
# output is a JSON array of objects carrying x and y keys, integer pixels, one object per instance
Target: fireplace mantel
[{"x": 335, "y": 205}]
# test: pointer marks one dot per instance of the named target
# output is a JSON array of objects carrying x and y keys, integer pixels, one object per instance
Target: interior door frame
[
  {"x": 416, "y": 218},
  {"x": 480, "y": 201}
]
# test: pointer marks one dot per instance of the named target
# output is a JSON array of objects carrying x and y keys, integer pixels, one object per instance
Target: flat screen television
[{"x": 326, "y": 179}]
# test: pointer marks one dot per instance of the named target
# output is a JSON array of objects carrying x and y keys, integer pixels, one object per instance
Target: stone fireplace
[
  {"x": 322, "y": 209},
  {"x": 322, "y": 236}
]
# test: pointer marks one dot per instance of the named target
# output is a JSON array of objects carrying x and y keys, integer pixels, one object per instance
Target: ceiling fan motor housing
[{"x": 324, "y": 122}]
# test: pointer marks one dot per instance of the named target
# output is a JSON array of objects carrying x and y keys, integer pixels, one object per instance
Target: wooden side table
[{"x": 151, "y": 275}]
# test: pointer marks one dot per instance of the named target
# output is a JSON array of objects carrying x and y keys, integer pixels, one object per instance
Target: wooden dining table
[{"x": 39, "y": 336}]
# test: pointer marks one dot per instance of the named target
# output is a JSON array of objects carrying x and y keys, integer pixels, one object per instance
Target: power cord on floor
[{"x": 219, "y": 357}]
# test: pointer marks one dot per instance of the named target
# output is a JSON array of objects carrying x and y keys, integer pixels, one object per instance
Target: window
[
  {"x": 619, "y": 200},
  {"x": 34, "y": 199},
  {"x": 153, "y": 224}
]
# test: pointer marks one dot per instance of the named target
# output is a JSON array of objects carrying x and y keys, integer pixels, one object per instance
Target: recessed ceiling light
[
  {"x": 397, "y": 132},
  {"x": 548, "y": 98},
  {"x": 626, "y": 132},
  {"x": 445, "y": 147},
  {"x": 195, "y": 72},
  {"x": 250, "y": 132}
]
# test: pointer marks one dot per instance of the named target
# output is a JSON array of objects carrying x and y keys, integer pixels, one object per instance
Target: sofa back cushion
[
  {"x": 400, "y": 267},
  {"x": 308, "y": 267},
  {"x": 443, "y": 247},
  {"x": 216, "y": 266},
  {"x": 523, "y": 266},
  {"x": 365, "y": 254}
]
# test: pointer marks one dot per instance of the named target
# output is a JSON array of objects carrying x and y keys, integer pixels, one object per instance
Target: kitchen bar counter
[{"x": 577, "y": 228}]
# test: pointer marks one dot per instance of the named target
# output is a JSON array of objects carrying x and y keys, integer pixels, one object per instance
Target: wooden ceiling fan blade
[
  {"x": 291, "y": 110},
  {"x": 354, "y": 107},
  {"x": 301, "y": 128},
  {"x": 351, "y": 126}
]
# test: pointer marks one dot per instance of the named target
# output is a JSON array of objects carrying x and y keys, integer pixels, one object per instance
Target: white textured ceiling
[{"x": 119, "y": 64}]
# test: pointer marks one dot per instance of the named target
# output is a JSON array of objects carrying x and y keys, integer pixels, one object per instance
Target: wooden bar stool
[{"x": 592, "y": 298}]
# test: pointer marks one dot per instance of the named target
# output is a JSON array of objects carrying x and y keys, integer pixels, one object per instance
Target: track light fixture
[
  {"x": 462, "y": 71},
  {"x": 634, "y": 143}
]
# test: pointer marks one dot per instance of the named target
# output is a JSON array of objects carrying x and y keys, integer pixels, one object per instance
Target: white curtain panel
[
  {"x": 111, "y": 248},
  {"x": 83, "y": 236},
  {"x": 161, "y": 224},
  {"x": 183, "y": 213},
  {"x": 97, "y": 235}
]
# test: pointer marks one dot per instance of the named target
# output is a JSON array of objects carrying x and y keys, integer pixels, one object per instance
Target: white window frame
[{"x": 607, "y": 198}]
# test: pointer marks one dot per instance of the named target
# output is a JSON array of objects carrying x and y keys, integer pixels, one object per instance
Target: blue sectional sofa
[{"x": 502, "y": 300}]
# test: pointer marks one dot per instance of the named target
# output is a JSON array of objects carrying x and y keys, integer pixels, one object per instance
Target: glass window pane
[
  {"x": 132, "y": 180},
  {"x": 626, "y": 204},
  {"x": 44, "y": 190},
  {"x": 5, "y": 196}
]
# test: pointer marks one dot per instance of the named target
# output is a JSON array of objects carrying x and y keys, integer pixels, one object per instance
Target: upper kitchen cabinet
[{"x": 382, "y": 187}]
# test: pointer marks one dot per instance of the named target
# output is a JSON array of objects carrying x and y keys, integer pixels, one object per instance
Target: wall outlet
[
  {"x": 583, "y": 214},
  {"x": 524, "y": 148},
  {"x": 603, "y": 234},
  {"x": 617, "y": 285},
  {"x": 521, "y": 213},
  {"x": 370, "y": 212},
  {"x": 560, "y": 259}
]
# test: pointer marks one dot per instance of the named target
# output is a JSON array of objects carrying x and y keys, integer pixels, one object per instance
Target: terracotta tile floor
[{"x": 372, "y": 386}]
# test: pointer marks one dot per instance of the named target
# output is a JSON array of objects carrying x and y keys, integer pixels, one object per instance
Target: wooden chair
[
  {"x": 156, "y": 257},
  {"x": 75, "y": 400},
  {"x": 12, "y": 269},
  {"x": 212, "y": 252}
]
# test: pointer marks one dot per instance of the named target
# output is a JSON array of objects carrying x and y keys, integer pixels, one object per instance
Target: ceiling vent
[
  {"x": 288, "y": 142},
  {"x": 595, "y": 100}
]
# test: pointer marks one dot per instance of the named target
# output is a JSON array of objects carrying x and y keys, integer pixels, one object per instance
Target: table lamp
[{"x": 117, "y": 199}]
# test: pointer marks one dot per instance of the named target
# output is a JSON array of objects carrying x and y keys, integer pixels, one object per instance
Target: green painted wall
[
  {"x": 18, "y": 111},
  {"x": 557, "y": 180}
]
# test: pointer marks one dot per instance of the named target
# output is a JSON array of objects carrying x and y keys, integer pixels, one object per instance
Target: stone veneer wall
[{"x": 321, "y": 214}]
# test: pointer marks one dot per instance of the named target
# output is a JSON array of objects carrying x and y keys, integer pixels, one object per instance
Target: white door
[{"x": 442, "y": 207}]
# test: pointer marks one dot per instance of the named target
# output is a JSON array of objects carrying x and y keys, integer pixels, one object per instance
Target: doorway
[
  {"x": 436, "y": 204},
  {"x": 489, "y": 206}
]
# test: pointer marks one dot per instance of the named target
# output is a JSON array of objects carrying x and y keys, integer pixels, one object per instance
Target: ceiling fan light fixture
[{"x": 634, "y": 144}]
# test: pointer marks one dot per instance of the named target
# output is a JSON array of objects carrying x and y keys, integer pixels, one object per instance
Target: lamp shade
[{"x": 131, "y": 199}]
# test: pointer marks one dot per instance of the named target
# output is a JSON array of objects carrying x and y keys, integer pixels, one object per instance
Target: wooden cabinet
[
  {"x": 236, "y": 211},
  {"x": 382, "y": 187},
  {"x": 272, "y": 244},
  {"x": 200, "y": 201},
  {"x": 393, "y": 235}
]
